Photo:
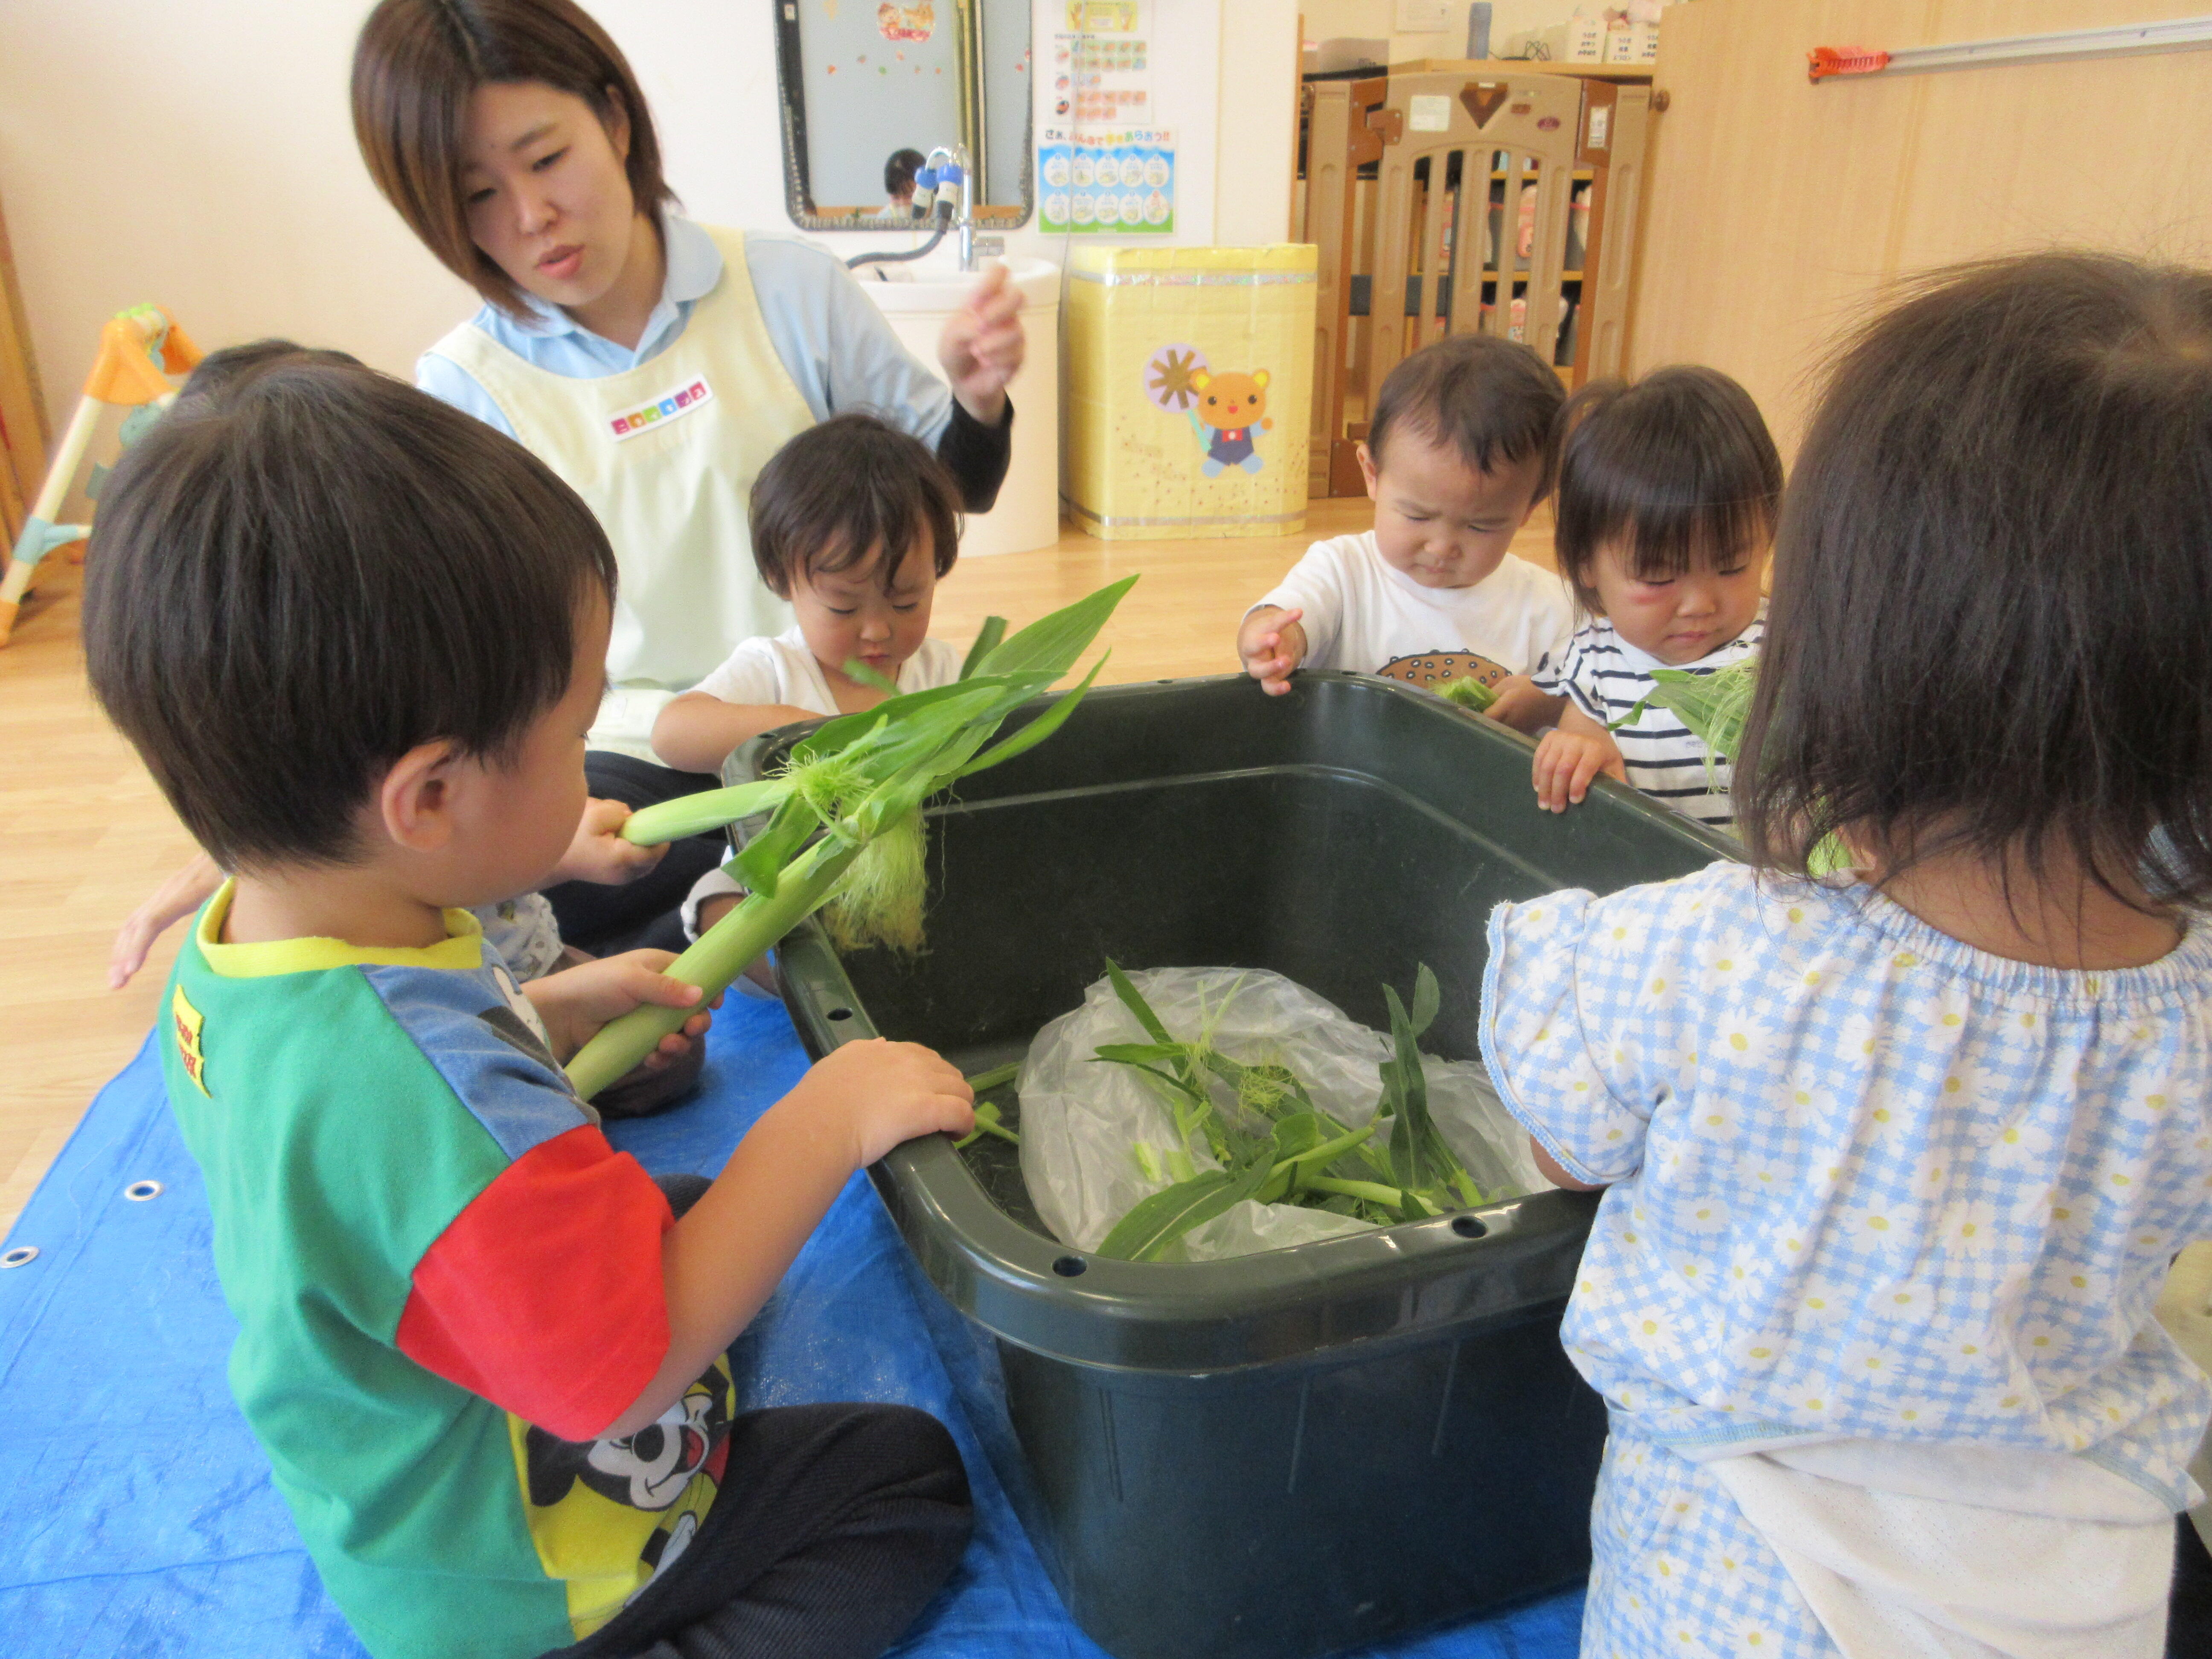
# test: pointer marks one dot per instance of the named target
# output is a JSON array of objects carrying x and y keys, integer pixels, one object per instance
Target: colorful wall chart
[{"x": 1116, "y": 181}]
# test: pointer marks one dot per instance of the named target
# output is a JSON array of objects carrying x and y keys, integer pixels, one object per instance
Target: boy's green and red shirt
[{"x": 446, "y": 1283}]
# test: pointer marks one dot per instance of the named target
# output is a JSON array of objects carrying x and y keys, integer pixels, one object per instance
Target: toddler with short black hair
[
  {"x": 854, "y": 522},
  {"x": 1457, "y": 456},
  {"x": 1664, "y": 518}
]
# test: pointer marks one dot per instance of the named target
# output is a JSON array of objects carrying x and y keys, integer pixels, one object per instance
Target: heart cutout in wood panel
[{"x": 1482, "y": 98}]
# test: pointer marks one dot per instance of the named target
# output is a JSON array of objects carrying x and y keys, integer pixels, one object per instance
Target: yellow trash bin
[{"x": 1189, "y": 390}]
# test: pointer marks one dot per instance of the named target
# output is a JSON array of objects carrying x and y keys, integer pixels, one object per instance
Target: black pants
[
  {"x": 834, "y": 1526},
  {"x": 606, "y": 920},
  {"x": 2189, "y": 1615}
]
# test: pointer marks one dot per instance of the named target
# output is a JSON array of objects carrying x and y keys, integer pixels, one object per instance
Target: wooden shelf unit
[{"x": 1385, "y": 160}]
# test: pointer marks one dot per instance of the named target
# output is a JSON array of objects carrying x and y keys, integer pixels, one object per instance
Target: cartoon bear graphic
[{"x": 1232, "y": 406}]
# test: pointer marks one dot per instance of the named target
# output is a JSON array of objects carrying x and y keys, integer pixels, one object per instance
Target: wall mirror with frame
[{"x": 862, "y": 80}]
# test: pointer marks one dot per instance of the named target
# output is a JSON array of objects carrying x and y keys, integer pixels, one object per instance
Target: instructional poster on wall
[
  {"x": 1107, "y": 79},
  {"x": 1107, "y": 163},
  {"x": 1119, "y": 180}
]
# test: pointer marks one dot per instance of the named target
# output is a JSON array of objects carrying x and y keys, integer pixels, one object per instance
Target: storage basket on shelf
[
  {"x": 1284, "y": 1453},
  {"x": 1189, "y": 381}
]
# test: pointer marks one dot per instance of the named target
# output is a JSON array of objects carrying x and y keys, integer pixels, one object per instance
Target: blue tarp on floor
[{"x": 136, "y": 1517}]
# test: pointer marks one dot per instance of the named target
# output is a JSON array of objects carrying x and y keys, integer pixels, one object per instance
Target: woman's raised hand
[{"x": 982, "y": 345}]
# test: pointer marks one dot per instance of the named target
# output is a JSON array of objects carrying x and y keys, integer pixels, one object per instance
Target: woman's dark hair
[
  {"x": 899, "y": 171},
  {"x": 1493, "y": 400},
  {"x": 294, "y": 580},
  {"x": 1679, "y": 467},
  {"x": 415, "y": 68},
  {"x": 842, "y": 488},
  {"x": 1993, "y": 579}
]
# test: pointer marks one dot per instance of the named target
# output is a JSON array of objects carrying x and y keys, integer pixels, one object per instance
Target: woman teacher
[{"x": 655, "y": 363}]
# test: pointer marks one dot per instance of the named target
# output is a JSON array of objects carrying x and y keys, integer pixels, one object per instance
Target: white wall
[
  {"x": 199, "y": 154},
  {"x": 1258, "y": 90}
]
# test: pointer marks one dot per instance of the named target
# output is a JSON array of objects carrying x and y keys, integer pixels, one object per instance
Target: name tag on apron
[{"x": 673, "y": 404}]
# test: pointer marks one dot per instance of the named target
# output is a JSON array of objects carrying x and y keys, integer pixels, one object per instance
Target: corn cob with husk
[
  {"x": 1716, "y": 707},
  {"x": 1469, "y": 693},
  {"x": 844, "y": 827}
]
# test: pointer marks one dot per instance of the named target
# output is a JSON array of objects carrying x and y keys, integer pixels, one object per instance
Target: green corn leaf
[
  {"x": 1298, "y": 1133},
  {"x": 861, "y": 674},
  {"x": 1176, "y": 1085},
  {"x": 1158, "y": 1220},
  {"x": 1426, "y": 998},
  {"x": 1140, "y": 1053},
  {"x": 1405, "y": 1090},
  {"x": 759, "y": 863},
  {"x": 987, "y": 641},
  {"x": 883, "y": 721},
  {"x": 695, "y": 815},
  {"x": 1055, "y": 642},
  {"x": 987, "y": 1123},
  {"x": 1038, "y": 729},
  {"x": 1134, "y": 1001},
  {"x": 1155, "y": 1223},
  {"x": 979, "y": 1081},
  {"x": 916, "y": 733}
]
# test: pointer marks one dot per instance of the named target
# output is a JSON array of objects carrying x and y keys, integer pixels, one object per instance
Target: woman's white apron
[{"x": 664, "y": 454}]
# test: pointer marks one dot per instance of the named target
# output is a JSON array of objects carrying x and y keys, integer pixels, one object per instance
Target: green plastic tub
[{"x": 1310, "y": 1449}]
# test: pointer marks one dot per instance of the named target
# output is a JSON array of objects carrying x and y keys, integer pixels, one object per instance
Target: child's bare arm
[
  {"x": 1271, "y": 643},
  {"x": 1569, "y": 758},
  {"x": 174, "y": 900},
  {"x": 1553, "y": 1173},
  {"x": 1523, "y": 707},
  {"x": 697, "y": 732},
  {"x": 721, "y": 1261}
]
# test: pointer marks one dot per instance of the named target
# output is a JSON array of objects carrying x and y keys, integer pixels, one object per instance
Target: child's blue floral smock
[{"x": 1866, "y": 1180}]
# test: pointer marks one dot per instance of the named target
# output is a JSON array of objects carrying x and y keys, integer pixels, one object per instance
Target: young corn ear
[{"x": 856, "y": 780}]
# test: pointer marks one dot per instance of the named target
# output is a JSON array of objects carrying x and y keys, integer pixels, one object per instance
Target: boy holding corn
[{"x": 485, "y": 1358}]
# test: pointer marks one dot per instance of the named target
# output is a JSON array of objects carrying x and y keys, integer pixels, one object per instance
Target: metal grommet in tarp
[
  {"x": 139, "y": 1191},
  {"x": 21, "y": 1255}
]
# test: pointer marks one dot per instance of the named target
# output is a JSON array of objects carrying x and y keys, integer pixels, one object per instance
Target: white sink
[
  {"x": 937, "y": 284},
  {"x": 916, "y": 298}
]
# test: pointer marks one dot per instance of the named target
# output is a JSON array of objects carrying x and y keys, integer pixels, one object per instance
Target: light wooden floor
[{"x": 87, "y": 836}]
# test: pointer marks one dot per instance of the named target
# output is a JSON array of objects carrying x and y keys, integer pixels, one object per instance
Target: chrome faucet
[{"x": 958, "y": 169}]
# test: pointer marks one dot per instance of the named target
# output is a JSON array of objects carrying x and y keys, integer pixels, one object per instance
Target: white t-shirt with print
[
  {"x": 780, "y": 669},
  {"x": 1362, "y": 615}
]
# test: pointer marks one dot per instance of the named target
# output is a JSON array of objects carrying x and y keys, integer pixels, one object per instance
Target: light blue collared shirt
[{"x": 837, "y": 347}]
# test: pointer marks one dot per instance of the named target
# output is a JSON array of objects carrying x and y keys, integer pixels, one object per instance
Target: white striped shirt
[{"x": 1606, "y": 677}]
